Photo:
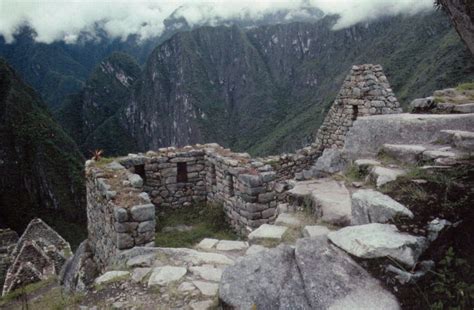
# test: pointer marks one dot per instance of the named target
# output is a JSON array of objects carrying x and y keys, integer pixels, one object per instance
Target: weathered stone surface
[
  {"x": 267, "y": 280},
  {"x": 317, "y": 275},
  {"x": 330, "y": 162},
  {"x": 404, "y": 153},
  {"x": 111, "y": 276},
  {"x": 142, "y": 213},
  {"x": 366, "y": 163},
  {"x": 207, "y": 288},
  {"x": 145, "y": 260},
  {"x": 289, "y": 220},
  {"x": 231, "y": 245},
  {"x": 139, "y": 274},
  {"x": 315, "y": 231},
  {"x": 435, "y": 227},
  {"x": 202, "y": 305},
  {"x": 332, "y": 280},
  {"x": 207, "y": 243},
  {"x": 379, "y": 240},
  {"x": 464, "y": 108},
  {"x": 369, "y": 206},
  {"x": 207, "y": 272},
  {"x": 266, "y": 232},
  {"x": 384, "y": 175},
  {"x": 165, "y": 275},
  {"x": 435, "y": 154},
  {"x": 400, "y": 129},
  {"x": 80, "y": 270},
  {"x": 135, "y": 180},
  {"x": 255, "y": 248},
  {"x": 332, "y": 199}
]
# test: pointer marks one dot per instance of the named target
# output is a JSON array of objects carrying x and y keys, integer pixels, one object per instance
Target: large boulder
[
  {"x": 315, "y": 275},
  {"x": 379, "y": 240},
  {"x": 330, "y": 162},
  {"x": 80, "y": 270},
  {"x": 369, "y": 206},
  {"x": 266, "y": 280}
]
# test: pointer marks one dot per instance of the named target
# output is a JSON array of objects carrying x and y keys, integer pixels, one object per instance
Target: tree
[{"x": 461, "y": 13}]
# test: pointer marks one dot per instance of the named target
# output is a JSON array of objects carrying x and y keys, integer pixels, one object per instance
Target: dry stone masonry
[
  {"x": 124, "y": 194},
  {"x": 8, "y": 240},
  {"x": 365, "y": 92}
]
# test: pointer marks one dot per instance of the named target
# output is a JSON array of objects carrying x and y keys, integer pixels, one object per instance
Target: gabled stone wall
[{"x": 365, "y": 92}]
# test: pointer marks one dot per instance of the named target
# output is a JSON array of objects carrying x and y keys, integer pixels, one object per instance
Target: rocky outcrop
[
  {"x": 462, "y": 16},
  {"x": 302, "y": 278},
  {"x": 39, "y": 254},
  {"x": 79, "y": 272},
  {"x": 400, "y": 129}
]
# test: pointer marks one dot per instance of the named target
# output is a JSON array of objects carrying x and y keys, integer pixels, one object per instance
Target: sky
[{"x": 56, "y": 20}]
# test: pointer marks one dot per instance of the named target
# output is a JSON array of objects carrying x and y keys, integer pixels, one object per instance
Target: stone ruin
[
  {"x": 39, "y": 253},
  {"x": 365, "y": 92},
  {"x": 122, "y": 196}
]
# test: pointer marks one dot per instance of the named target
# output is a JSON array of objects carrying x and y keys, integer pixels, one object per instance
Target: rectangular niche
[
  {"x": 182, "y": 176},
  {"x": 230, "y": 183},
  {"x": 140, "y": 170},
  {"x": 213, "y": 175},
  {"x": 355, "y": 112}
]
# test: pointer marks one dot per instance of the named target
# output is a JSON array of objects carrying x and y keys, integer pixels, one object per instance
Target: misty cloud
[{"x": 67, "y": 19}]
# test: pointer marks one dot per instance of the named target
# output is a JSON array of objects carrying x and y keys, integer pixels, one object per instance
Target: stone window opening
[
  {"x": 140, "y": 170},
  {"x": 182, "y": 176},
  {"x": 213, "y": 175},
  {"x": 230, "y": 183},
  {"x": 355, "y": 112}
]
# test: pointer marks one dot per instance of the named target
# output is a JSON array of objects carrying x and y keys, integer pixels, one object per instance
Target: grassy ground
[{"x": 205, "y": 220}]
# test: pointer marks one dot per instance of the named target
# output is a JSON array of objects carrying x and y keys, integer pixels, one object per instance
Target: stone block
[
  {"x": 146, "y": 226},
  {"x": 141, "y": 213}
]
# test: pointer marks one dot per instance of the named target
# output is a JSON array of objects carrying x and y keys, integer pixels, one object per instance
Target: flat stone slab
[
  {"x": 145, "y": 260},
  {"x": 111, "y": 276},
  {"x": 289, "y": 220},
  {"x": 332, "y": 199},
  {"x": 231, "y": 245},
  {"x": 434, "y": 154},
  {"x": 203, "y": 305},
  {"x": 384, "y": 175},
  {"x": 207, "y": 288},
  {"x": 464, "y": 108},
  {"x": 165, "y": 275},
  {"x": 407, "y": 153},
  {"x": 402, "y": 128},
  {"x": 379, "y": 240},
  {"x": 207, "y": 243},
  {"x": 139, "y": 274},
  {"x": 369, "y": 206},
  {"x": 365, "y": 163},
  {"x": 207, "y": 272},
  {"x": 267, "y": 232},
  {"x": 315, "y": 231}
]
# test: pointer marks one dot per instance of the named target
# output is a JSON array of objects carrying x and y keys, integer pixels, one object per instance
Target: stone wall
[
  {"x": 365, "y": 92},
  {"x": 247, "y": 188},
  {"x": 119, "y": 214}
]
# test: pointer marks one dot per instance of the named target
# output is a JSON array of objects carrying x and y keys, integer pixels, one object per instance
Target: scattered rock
[
  {"x": 407, "y": 153},
  {"x": 405, "y": 277},
  {"x": 111, "y": 276},
  {"x": 435, "y": 227},
  {"x": 207, "y": 272},
  {"x": 255, "y": 248},
  {"x": 330, "y": 162},
  {"x": 315, "y": 231},
  {"x": 384, "y": 175},
  {"x": 207, "y": 288},
  {"x": 139, "y": 274},
  {"x": 379, "y": 240},
  {"x": 207, "y": 243},
  {"x": 202, "y": 305},
  {"x": 166, "y": 274},
  {"x": 135, "y": 180},
  {"x": 231, "y": 245},
  {"x": 332, "y": 201},
  {"x": 145, "y": 260},
  {"x": 267, "y": 233},
  {"x": 369, "y": 206},
  {"x": 289, "y": 220}
]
